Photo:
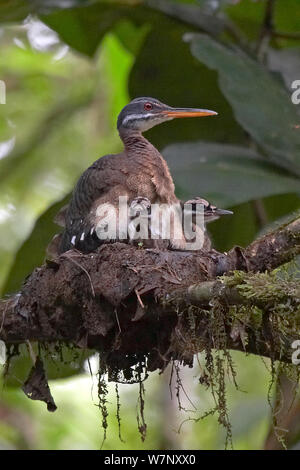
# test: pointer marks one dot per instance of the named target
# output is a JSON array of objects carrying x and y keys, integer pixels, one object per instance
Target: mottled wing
[{"x": 97, "y": 185}]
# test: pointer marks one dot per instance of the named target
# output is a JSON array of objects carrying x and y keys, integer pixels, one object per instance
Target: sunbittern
[{"x": 139, "y": 173}]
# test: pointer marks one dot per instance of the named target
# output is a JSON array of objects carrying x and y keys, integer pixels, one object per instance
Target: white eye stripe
[
  {"x": 73, "y": 241},
  {"x": 136, "y": 117}
]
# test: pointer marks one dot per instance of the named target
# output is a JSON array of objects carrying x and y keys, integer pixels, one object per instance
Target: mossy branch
[{"x": 128, "y": 302}]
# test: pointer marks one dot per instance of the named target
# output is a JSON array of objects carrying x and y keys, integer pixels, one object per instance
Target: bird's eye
[{"x": 148, "y": 106}]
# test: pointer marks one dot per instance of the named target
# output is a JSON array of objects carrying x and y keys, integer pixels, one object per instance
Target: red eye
[{"x": 148, "y": 106}]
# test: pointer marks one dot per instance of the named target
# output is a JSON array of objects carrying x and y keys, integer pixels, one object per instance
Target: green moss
[{"x": 270, "y": 312}]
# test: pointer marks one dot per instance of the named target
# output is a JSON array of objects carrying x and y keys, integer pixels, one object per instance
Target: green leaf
[
  {"x": 280, "y": 207},
  {"x": 59, "y": 362},
  {"x": 260, "y": 102},
  {"x": 243, "y": 227},
  {"x": 239, "y": 229},
  {"x": 190, "y": 14},
  {"x": 286, "y": 62},
  {"x": 131, "y": 37},
  {"x": 226, "y": 174},
  {"x": 165, "y": 69},
  {"x": 84, "y": 27},
  {"x": 33, "y": 251}
]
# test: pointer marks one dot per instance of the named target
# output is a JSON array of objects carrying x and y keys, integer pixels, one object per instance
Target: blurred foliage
[
  {"x": 77, "y": 422},
  {"x": 65, "y": 87},
  {"x": 241, "y": 173},
  {"x": 59, "y": 362},
  {"x": 264, "y": 108}
]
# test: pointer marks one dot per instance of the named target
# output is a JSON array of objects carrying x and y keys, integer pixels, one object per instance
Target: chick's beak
[
  {"x": 223, "y": 212},
  {"x": 188, "y": 112}
]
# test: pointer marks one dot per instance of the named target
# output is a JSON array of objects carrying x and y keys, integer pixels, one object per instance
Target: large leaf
[
  {"x": 243, "y": 227},
  {"x": 59, "y": 362},
  {"x": 84, "y": 27},
  {"x": 190, "y": 14},
  {"x": 33, "y": 251},
  {"x": 286, "y": 62},
  {"x": 165, "y": 68},
  {"x": 225, "y": 174},
  {"x": 238, "y": 229},
  {"x": 260, "y": 102}
]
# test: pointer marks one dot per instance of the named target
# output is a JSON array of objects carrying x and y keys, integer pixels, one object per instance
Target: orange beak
[{"x": 188, "y": 112}]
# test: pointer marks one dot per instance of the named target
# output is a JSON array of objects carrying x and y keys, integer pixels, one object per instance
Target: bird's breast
[{"x": 150, "y": 177}]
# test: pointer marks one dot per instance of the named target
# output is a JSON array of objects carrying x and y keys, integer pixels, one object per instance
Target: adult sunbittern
[{"x": 139, "y": 173}]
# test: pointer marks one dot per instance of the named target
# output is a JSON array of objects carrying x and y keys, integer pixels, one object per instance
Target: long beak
[
  {"x": 223, "y": 212},
  {"x": 188, "y": 112}
]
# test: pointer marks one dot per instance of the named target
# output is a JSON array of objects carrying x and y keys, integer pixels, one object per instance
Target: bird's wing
[{"x": 98, "y": 185}]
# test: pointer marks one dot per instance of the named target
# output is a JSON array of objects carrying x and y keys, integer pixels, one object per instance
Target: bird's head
[
  {"x": 210, "y": 212},
  {"x": 143, "y": 113}
]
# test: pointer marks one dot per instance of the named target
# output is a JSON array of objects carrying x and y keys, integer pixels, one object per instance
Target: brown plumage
[{"x": 138, "y": 172}]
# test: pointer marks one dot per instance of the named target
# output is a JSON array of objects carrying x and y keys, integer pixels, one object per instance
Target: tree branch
[
  {"x": 125, "y": 301},
  {"x": 293, "y": 36},
  {"x": 266, "y": 30}
]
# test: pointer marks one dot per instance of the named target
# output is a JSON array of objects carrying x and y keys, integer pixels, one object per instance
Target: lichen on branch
[
  {"x": 125, "y": 301},
  {"x": 143, "y": 309}
]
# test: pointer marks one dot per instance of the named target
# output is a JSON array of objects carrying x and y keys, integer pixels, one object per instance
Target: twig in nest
[
  {"x": 83, "y": 269},
  {"x": 117, "y": 318},
  {"x": 139, "y": 298}
]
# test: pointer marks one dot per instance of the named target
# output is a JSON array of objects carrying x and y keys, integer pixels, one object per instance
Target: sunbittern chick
[{"x": 139, "y": 171}]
